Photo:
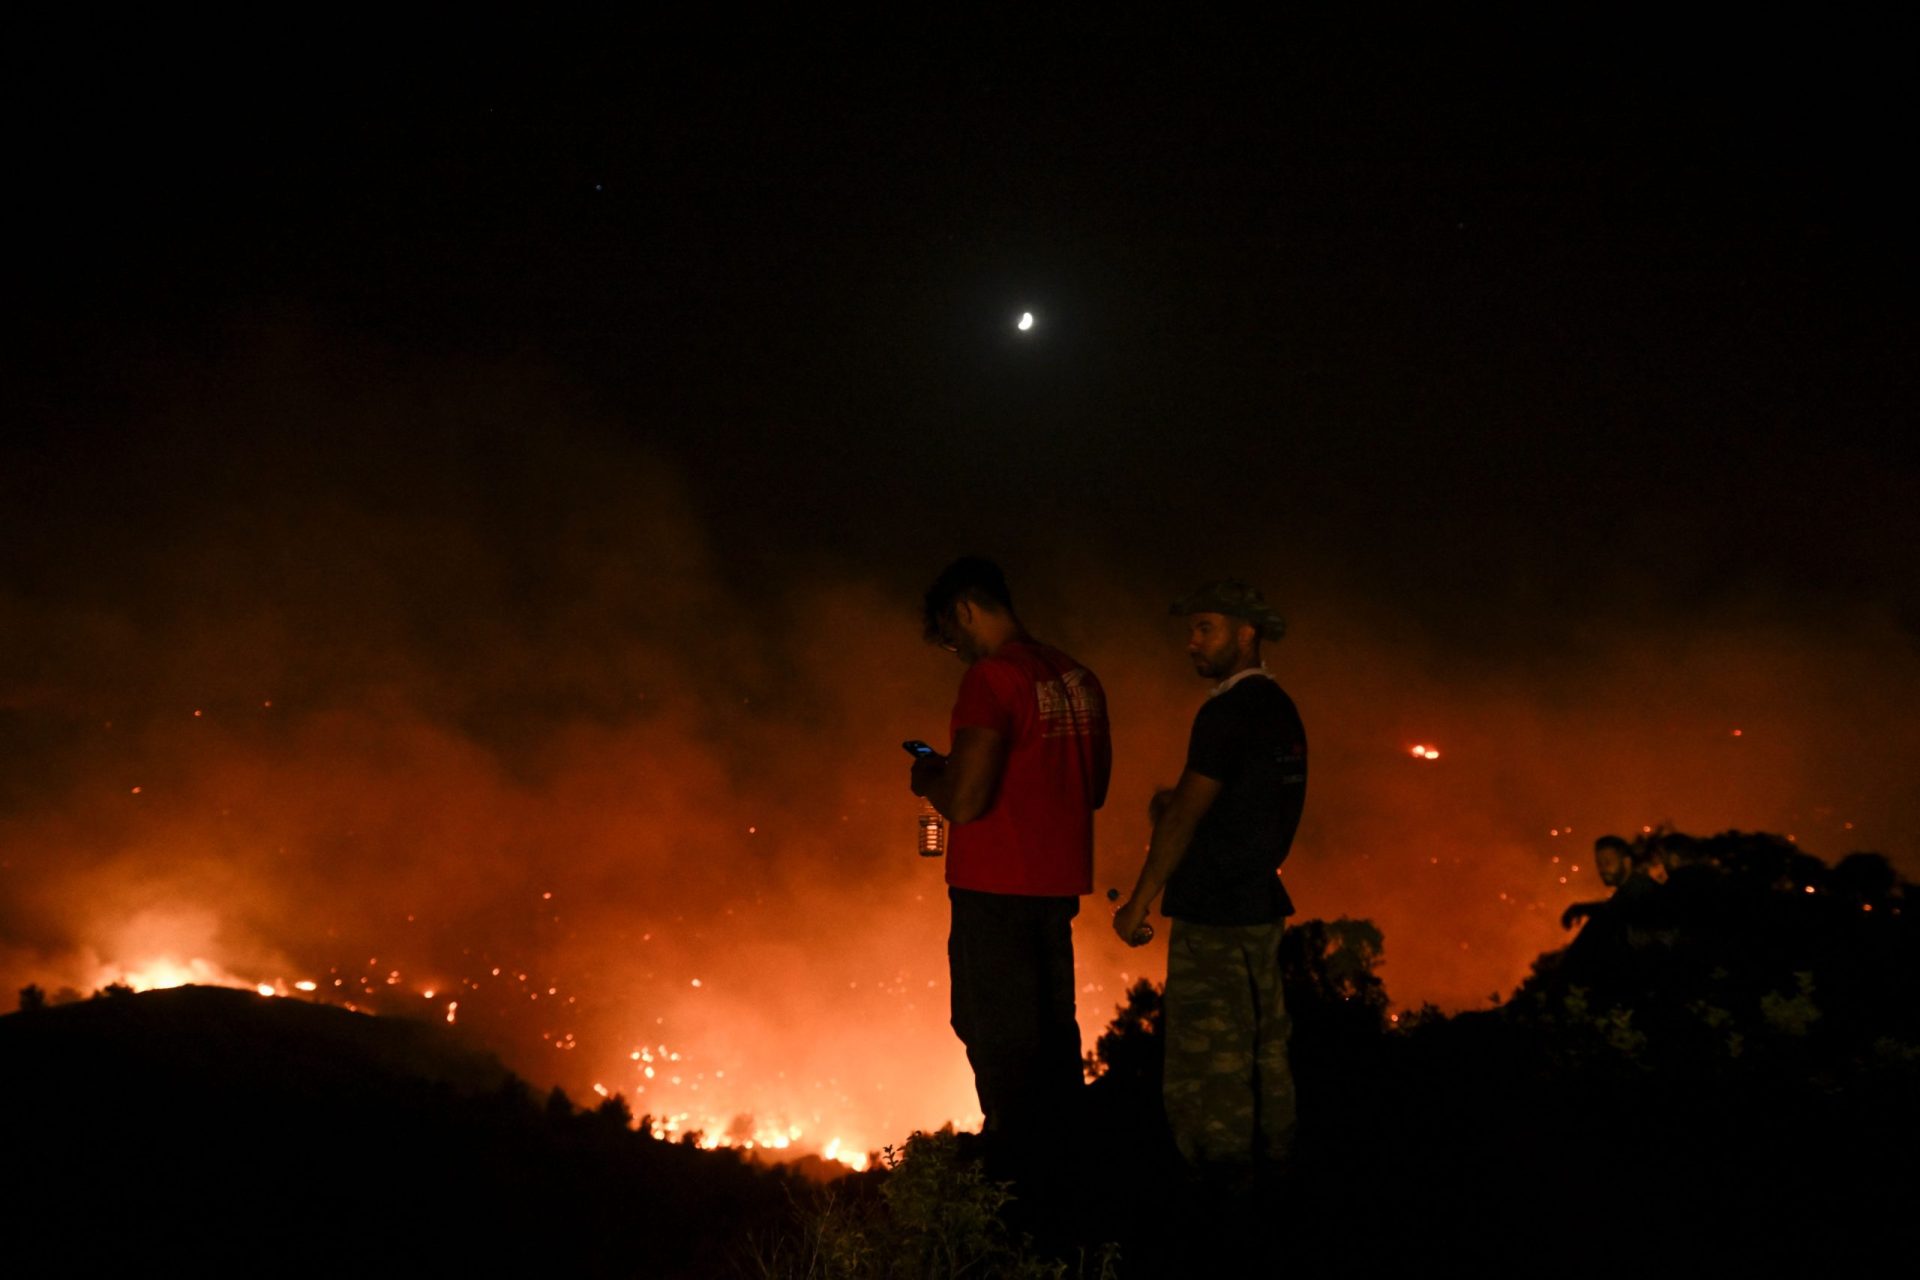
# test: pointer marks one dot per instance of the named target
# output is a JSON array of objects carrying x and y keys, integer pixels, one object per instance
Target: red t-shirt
[{"x": 1037, "y": 839}]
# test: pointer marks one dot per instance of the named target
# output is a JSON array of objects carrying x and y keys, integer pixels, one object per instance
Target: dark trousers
[{"x": 1011, "y": 963}]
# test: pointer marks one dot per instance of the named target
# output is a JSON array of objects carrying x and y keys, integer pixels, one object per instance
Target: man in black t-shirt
[{"x": 1219, "y": 838}]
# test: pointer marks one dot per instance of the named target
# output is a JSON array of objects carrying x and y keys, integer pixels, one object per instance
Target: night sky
[{"x": 438, "y": 480}]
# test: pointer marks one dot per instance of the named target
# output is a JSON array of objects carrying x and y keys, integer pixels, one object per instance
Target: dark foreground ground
[
  {"x": 1734, "y": 1083},
  {"x": 237, "y": 1135}
]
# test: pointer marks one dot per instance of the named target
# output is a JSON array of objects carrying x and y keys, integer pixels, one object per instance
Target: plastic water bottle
[
  {"x": 1141, "y": 936},
  {"x": 933, "y": 830}
]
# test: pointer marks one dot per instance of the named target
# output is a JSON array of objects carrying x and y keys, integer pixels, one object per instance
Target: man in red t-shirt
[{"x": 1028, "y": 766}]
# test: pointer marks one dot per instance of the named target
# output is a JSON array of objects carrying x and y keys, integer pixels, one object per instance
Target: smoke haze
[{"x": 406, "y": 682}]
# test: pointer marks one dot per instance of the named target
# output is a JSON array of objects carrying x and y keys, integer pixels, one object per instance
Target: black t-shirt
[{"x": 1251, "y": 740}]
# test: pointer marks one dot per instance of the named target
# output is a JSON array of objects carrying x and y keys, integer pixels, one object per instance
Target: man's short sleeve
[
  {"x": 987, "y": 698},
  {"x": 1214, "y": 744}
]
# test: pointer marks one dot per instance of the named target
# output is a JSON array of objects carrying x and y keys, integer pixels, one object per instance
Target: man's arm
[
  {"x": 964, "y": 788},
  {"x": 1172, "y": 833},
  {"x": 1102, "y": 767}
]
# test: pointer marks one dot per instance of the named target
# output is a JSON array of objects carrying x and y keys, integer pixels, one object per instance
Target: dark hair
[{"x": 970, "y": 577}]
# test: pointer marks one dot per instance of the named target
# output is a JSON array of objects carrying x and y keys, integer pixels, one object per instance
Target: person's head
[
  {"x": 1225, "y": 623},
  {"x": 968, "y": 609},
  {"x": 1613, "y": 859}
]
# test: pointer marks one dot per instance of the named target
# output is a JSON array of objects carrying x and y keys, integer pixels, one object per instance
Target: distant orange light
[
  {"x": 1736, "y": 733},
  {"x": 266, "y": 989},
  {"x": 1808, "y": 889}
]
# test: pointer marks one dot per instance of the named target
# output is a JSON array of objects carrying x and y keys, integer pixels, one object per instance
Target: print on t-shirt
[{"x": 1069, "y": 706}]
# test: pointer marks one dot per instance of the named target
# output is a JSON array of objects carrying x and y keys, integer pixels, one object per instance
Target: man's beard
[{"x": 1212, "y": 666}]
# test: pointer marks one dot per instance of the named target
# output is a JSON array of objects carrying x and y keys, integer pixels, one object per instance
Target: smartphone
[{"x": 915, "y": 747}]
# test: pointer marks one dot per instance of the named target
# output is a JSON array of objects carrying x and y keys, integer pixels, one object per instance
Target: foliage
[
  {"x": 1130, "y": 1048},
  {"x": 1792, "y": 1015},
  {"x": 1327, "y": 967},
  {"x": 935, "y": 1215},
  {"x": 1712, "y": 951}
]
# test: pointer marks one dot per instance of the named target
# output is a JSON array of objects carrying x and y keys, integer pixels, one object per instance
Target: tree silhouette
[
  {"x": 614, "y": 1113},
  {"x": 1327, "y": 969}
]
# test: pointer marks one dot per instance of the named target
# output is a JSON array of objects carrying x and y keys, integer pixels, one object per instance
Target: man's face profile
[
  {"x": 956, "y": 635},
  {"x": 1215, "y": 643},
  {"x": 1611, "y": 861}
]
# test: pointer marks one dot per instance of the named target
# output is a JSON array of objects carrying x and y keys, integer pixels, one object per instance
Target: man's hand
[
  {"x": 926, "y": 771},
  {"x": 1176, "y": 811},
  {"x": 1128, "y": 919},
  {"x": 1579, "y": 911},
  {"x": 962, "y": 786}
]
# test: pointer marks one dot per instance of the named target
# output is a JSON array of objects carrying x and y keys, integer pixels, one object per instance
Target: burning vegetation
[{"x": 483, "y": 733}]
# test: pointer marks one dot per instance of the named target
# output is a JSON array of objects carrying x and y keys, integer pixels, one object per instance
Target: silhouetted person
[
  {"x": 1029, "y": 764},
  {"x": 1610, "y": 862},
  {"x": 1218, "y": 841},
  {"x": 1620, "y": 951}
]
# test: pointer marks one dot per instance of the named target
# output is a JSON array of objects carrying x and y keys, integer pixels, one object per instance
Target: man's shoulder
[
  {"x": 1260, "y": 695},
  {"x": 1008, "y": 664},
  {"x": 1258, "y": 705},
  {"x": 1038, "y": 660}
]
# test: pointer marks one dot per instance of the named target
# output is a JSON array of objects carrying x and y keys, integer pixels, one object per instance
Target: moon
[{"x": 1026, "y": 321}]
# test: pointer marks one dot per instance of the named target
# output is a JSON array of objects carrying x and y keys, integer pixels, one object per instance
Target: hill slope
[{"x": 241, "y": 1134}]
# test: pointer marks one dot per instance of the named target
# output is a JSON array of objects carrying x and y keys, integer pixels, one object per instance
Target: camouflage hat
[{"x": 1237, "y": 600}]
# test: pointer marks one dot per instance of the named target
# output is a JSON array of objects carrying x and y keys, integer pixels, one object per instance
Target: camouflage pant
[{"x": 1227, "y": 1078}]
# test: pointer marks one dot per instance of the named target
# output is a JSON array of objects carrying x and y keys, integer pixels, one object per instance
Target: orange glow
[{"x": 819, "y": 1009}]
